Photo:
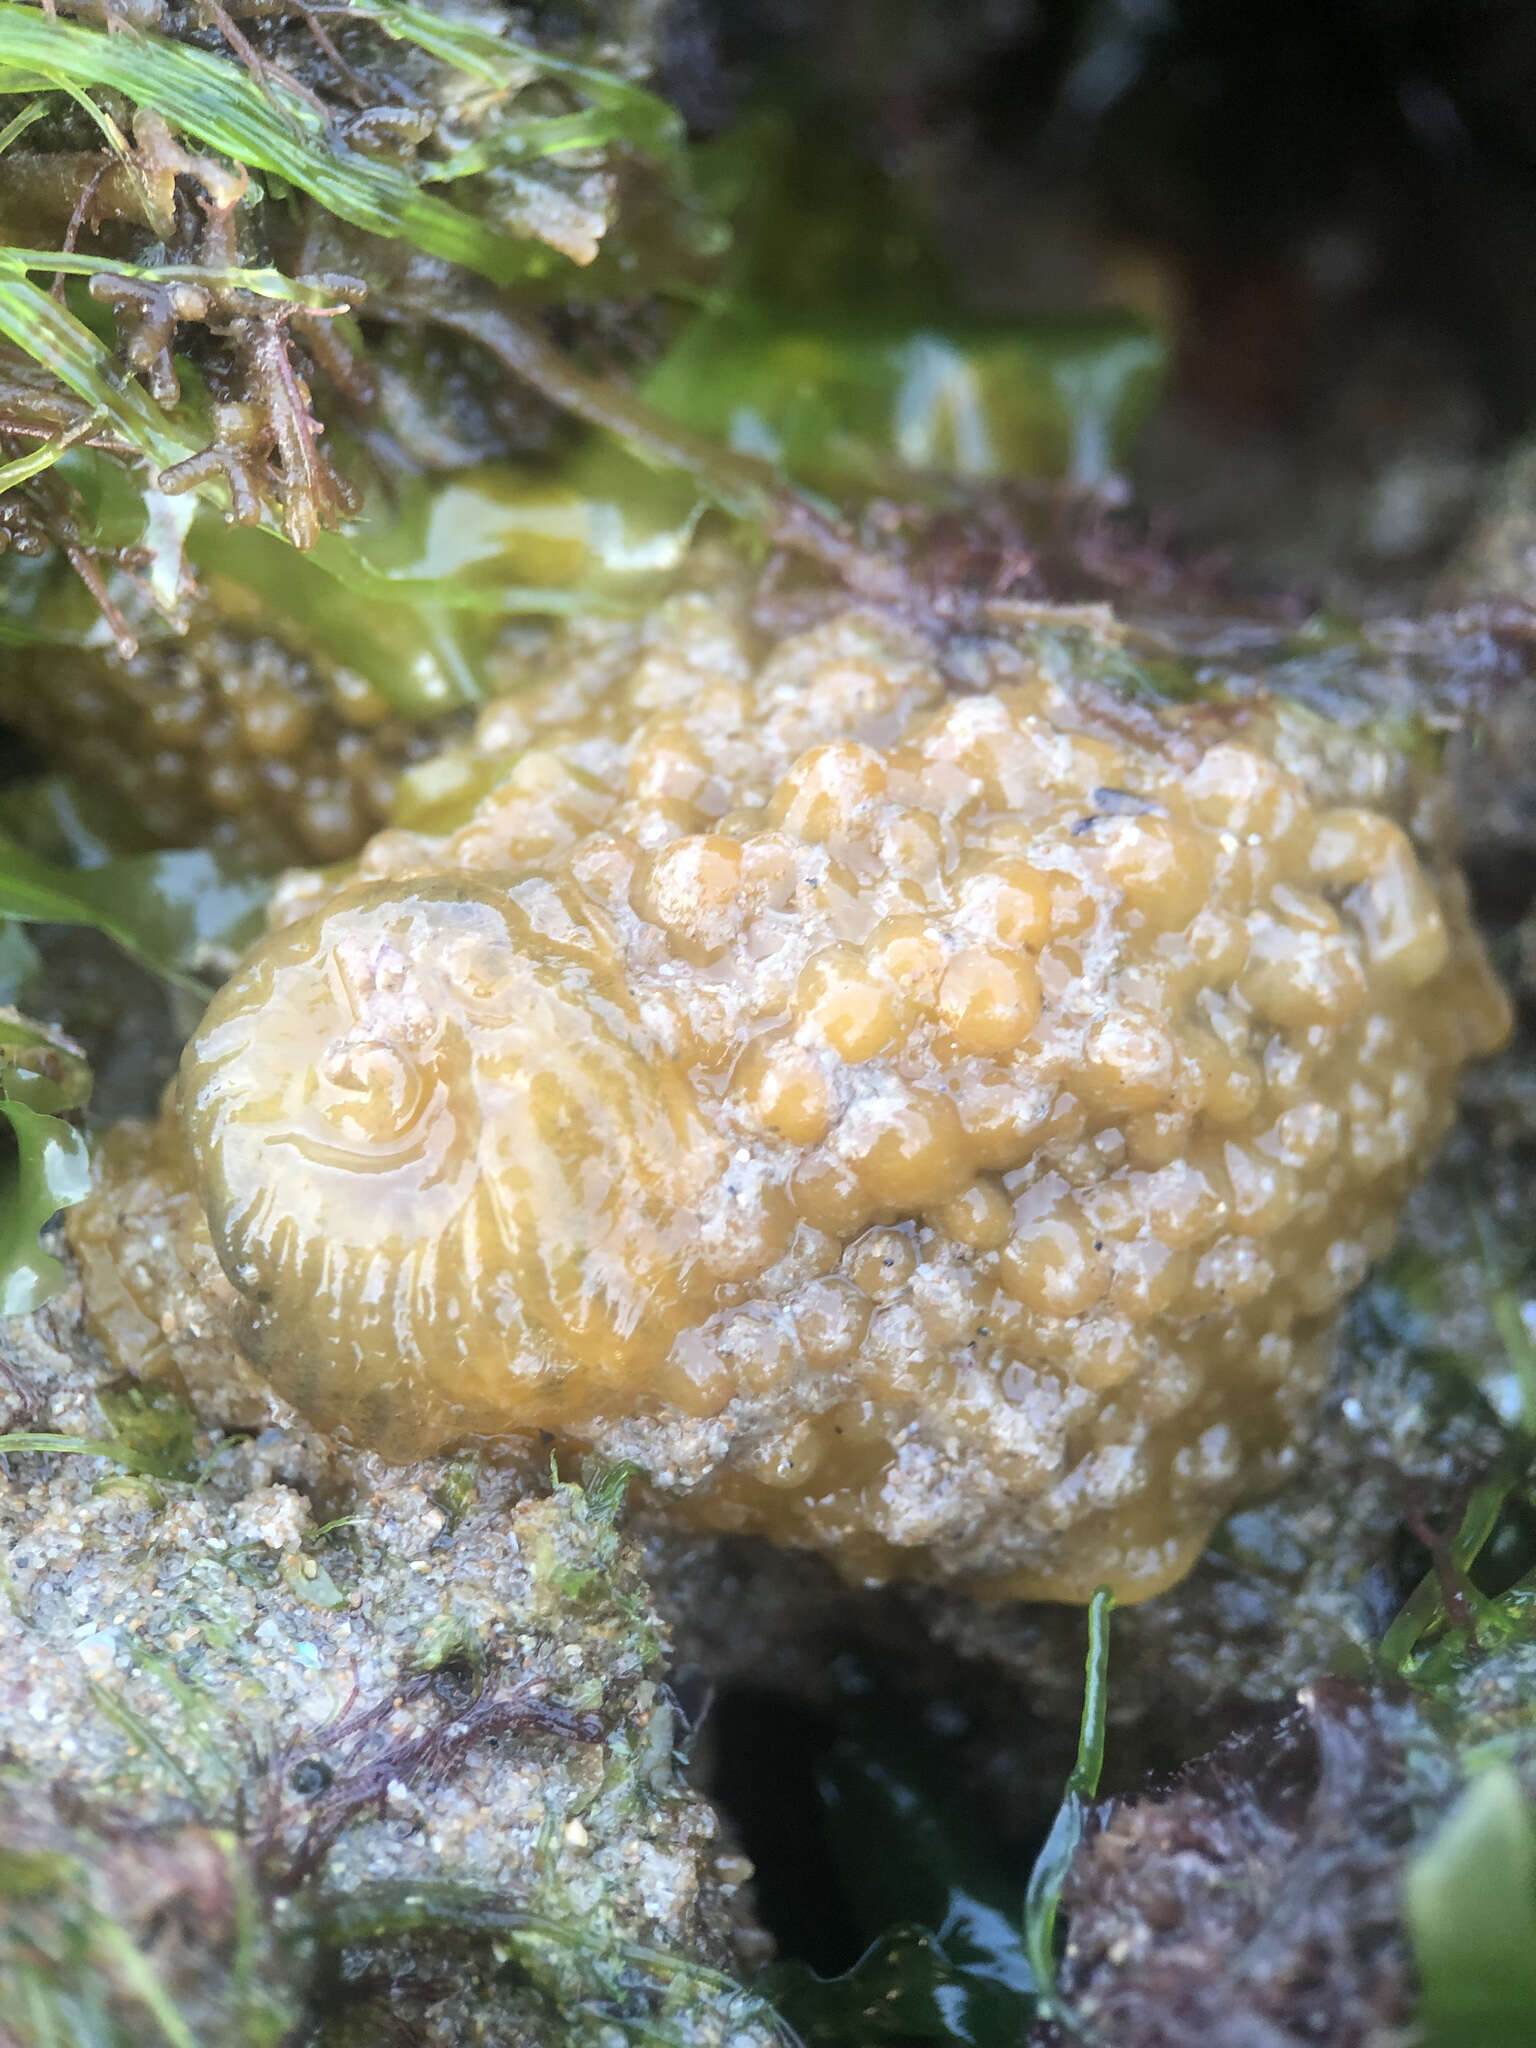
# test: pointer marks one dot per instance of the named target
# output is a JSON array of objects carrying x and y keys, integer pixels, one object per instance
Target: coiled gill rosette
[{"x": 934, "y": 1126}]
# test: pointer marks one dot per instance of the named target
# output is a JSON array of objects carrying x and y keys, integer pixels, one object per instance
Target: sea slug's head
[{"x": 440, "y": 1158}]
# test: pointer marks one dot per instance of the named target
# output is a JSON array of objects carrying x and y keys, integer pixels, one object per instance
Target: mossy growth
[
  {"x": 226, "y": 1712},
  {"x": 579, "y": 1559},
  {"x": 115, "y": 1937}
]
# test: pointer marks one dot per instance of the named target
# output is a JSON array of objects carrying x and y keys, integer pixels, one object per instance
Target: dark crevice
[
  {"x": 19, "y": 758},
  {"x": 768, "y": 1749}
]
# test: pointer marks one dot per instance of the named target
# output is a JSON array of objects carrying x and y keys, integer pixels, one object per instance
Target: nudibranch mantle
[{"x": 935, "y": 1125}]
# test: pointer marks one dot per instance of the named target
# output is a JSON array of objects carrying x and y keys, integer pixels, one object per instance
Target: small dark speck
[
  {"x": 1124, "y": 803},
  {"x": 455, "y": 1683},
  {"x": 546, "y": 1436},
  {"x": 1115, "y": 803},
  {"x": 310, "y": 1777},
  {"x": 1098, "y": 1244}
]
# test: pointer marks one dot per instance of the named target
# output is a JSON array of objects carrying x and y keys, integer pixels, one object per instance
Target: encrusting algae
[{"x": 931, "y": 1122}]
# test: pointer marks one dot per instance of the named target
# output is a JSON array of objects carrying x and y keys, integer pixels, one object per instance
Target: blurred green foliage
[
  {"x": 1469, "y": 1654},
  {"x": 72, "y": 1954},
  {"x": 1471, "y": 1904},
  {"x": 163, "y": 909},
  {"x": 48, "y": 1167},
  {"x": 169, "y": 912},
  {"x": 888, "y": 408}
]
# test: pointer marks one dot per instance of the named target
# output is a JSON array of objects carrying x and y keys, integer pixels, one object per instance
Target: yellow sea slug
[{"x": 934, "y": 1125}]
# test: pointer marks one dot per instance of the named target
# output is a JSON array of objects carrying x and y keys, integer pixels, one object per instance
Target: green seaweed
[
  {"x": 262, "y": 282},
  {"x": 602, "y": 1988},
  {"x": 49, "y": 1171},
  {"x": 574, "y": 1543},
  {"x": 450, "y": 1640},
  {"x": 1465, "y": 1642},
  {"x": 205, "y": 1732},
  {"x": 144, "y": 1738},
  {"x": 950, "y": 1961},
  {"x": 867, "y": 406},
  {"x": 458, "y": 1488},
  {"x": 166, "y": 910},
  {"x": 172, "y": 912},
  {"x": 415, "y": 628},
  {"x": 413, "y": 594},
  {"x": 42, "y": 1079},
  {"x": 1465, "y": 1639},
  {"x": 837, "y": 348},
  {"x": 907, "y": 1987},
  {"x": 41, "y": 1069},
  {"x": 51, "y": 335},
  {"x": 967, "y": 1965},
  {"x": 573, "y": 1556},
  {"x": 20, "y": 961},
  {"x": 1043, "y": 1898},
  {"x": 151, "y": 1420},
  {"x": 267, "y": 126},
  {"x": 628, "y": 113},
  {"x": 151, "y": 1432},
  {"x": 308, "y": 1580},
  {"x": 1423, "y": 1620},
  {"x": 1470, "y": 1897}
]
